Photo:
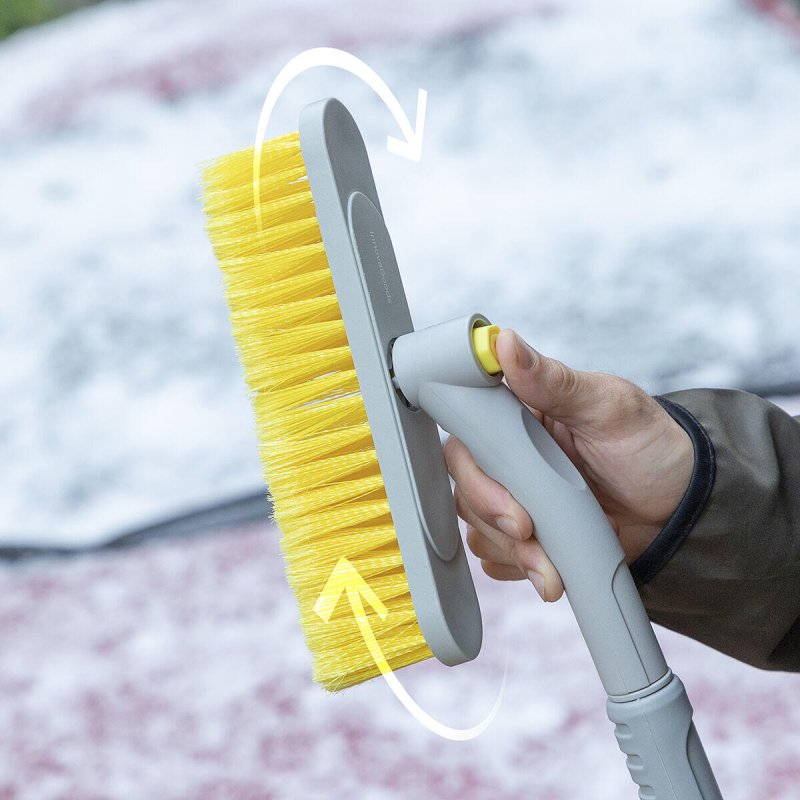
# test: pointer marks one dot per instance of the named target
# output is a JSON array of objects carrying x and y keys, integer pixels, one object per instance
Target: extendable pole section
[{"x": 438, "y": 370}]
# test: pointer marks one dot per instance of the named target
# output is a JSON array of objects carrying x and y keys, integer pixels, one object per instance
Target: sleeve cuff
[{"x": 680, "y": 524}]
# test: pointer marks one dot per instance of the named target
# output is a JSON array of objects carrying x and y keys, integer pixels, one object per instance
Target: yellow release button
[{"x": 483, "y": 339}]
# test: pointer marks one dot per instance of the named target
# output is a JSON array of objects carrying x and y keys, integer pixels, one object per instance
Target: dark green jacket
[{"x": 726, "y": 568}]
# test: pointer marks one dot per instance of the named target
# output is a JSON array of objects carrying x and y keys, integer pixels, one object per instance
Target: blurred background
[{"x": 617, "y": 181}]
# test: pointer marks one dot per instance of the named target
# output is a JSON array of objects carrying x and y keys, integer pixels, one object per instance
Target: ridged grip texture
[{"x": 665, "y": 756}]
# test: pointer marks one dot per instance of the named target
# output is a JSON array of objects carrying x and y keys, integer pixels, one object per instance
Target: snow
[
  {"x": 617, "y": 181},
  {"x": 178, "y": 671}
]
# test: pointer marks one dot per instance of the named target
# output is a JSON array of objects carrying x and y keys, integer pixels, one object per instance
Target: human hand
[{"x": 635, "y": 458}]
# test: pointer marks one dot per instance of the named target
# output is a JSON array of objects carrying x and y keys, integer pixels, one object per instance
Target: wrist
[{"x": 678, "y": 463}]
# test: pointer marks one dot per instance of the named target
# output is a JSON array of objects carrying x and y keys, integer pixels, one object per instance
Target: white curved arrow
[
  {"x": 345, "y": 578},
  {"x": 409, "y": 147}
]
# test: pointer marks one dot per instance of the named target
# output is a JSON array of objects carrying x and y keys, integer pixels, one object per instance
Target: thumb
[{"x": 572, "y": 397}]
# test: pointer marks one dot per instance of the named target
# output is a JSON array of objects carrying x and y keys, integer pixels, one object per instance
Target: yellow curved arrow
[{"x": 346, "y": 578}]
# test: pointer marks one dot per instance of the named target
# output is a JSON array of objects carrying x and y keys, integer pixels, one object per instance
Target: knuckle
[
  {"x": 488, "y": 567},
  {"x": 569, "y": 380},
  {"x": 629, "y": 402},
  {"x": 462, "y": 509},
  {"x": 475, "y": 541},
  {"x": 491, "y": 501},
  {"x": 450, "y": 451},
  {"x": 519, "y": 561},
  {"x": 563, "y": 379},
  {"x": 635, "y": 399}
]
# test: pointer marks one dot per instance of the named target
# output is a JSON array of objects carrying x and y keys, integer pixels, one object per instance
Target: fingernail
[
  {"x": 523, "y": 352},
  {"x": 537, "y": 579},
  {"x": 509, "y": 526}
]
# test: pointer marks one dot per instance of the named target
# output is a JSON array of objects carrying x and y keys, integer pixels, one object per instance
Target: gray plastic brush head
[{"x": 375, "y": 313}]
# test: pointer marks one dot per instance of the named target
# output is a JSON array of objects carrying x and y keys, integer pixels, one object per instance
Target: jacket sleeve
[{"x": 725, "y": 570}]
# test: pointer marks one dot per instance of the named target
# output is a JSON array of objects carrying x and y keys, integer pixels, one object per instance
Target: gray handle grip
[
  {"x": 665, "y": 756},
  {"x": 436, "y": 370},
  {"x": 511, "y": 446}
]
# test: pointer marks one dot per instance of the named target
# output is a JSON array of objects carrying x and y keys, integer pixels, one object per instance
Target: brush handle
[
  {"x": 665, "y": 755},
  {"x": 511, "y": 446},
  {"x": 648, "y": 705}
]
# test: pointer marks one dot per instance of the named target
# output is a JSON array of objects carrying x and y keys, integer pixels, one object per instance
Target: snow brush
[{"x": 347, "y": 398}]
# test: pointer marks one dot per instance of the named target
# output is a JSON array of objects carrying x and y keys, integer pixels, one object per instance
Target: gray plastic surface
[
  {"x": 436, "y": 369},
  {"x": 665, "y": 756},
  {"x": 374, "y": 310}
]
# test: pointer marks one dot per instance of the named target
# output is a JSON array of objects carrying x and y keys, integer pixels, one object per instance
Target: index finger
[{"x": 488, "y": 499}]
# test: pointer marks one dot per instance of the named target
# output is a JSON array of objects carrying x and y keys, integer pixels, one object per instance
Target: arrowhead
[
  {"x": 345, "y": 577},
  {"x": 411, "y": 146}
]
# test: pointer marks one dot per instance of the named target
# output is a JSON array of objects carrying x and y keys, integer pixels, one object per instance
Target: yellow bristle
[{"x": 316, "y": 447}]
